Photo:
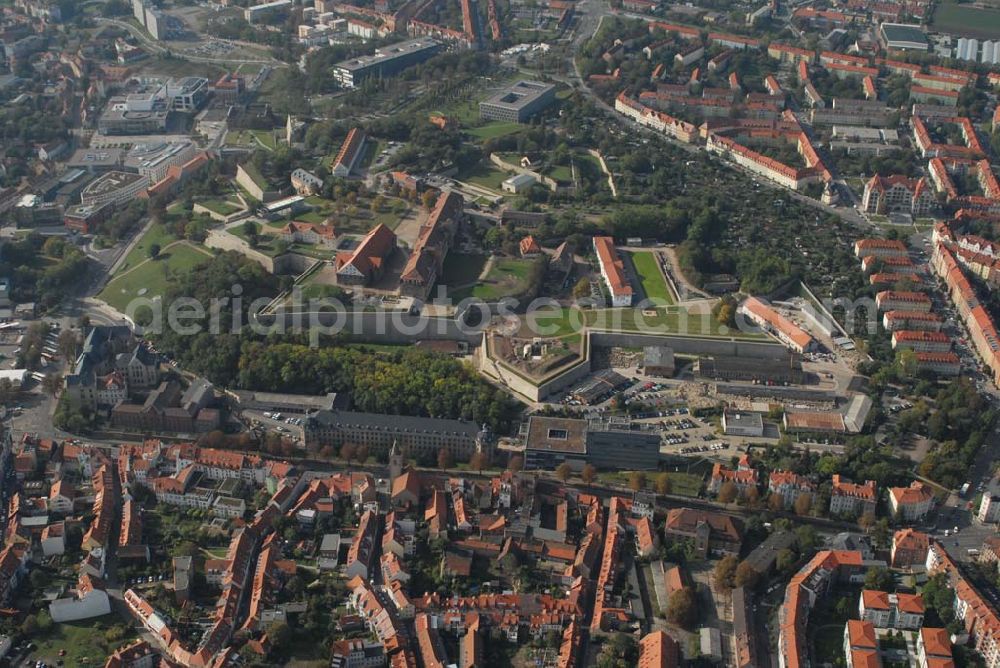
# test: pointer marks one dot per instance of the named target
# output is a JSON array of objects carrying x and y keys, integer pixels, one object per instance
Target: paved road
[{"x": 156, "y": 47}]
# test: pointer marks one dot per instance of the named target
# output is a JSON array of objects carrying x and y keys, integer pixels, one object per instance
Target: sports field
[{"x": 965, "y": 21}]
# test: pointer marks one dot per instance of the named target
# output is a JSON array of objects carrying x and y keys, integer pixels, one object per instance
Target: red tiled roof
[
  {"x": 613, "y": 266},
  {"x": 779, "y": 322},
  {"x": 936, "y": 642},
  {"x": 371, "y": 252}
]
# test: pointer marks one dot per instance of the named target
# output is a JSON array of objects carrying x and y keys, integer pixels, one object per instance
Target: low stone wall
[
  {"x": 391, "y": 327},
  {"x": 215, "y": 215},
  {"x": 287, "y": 263}
]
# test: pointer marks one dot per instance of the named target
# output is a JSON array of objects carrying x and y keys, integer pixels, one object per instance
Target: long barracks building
[{"x": 416, "y": 436}]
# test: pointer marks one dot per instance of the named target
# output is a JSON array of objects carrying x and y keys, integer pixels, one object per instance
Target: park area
[
  {"x": 486, "y": 176},
  {"x": 654, "y": 285},
  {"x": 84, "y": 643},
  {"x": 462, "y": 269},
  {"x": 963, "y": 20},
  {"x": 507, "y": 277},
  {"x": 357, "y": 218},
  {"x": 223, "y": 207},
  {"x": 156, "y": 235},
  {"x": 148, "y": 277}
]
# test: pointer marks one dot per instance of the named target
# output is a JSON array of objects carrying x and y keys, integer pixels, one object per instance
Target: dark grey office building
[
  {"x": 518, "y": 102},
  {"x": 385, "y": 62},
  {"x": 610, "y": 445}
]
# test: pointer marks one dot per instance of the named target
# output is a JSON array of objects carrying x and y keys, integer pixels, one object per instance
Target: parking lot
[{"x": 287, "y": 425}]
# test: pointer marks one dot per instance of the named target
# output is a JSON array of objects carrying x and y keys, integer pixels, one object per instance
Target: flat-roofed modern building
[
  {"x": 96, "y": 160},
  {"x": 779, "y": 369},
  {"x": 550, "y": 441},
  {"x": 154, "y": 159},
  {"x": 113, "y": 188},
  {"x": 742, "y": 423},
  {"x": 266, "y": 10},
  {"x": 186, "y": 93},
  {"x": 607, "y": 444},
  {"x": 902, "y": 37},
  {"x": 518, "y": 102},
  {"x": 613, "y": 445},
  {"x": 385, "y": 62},
  {"x": 119, "y": 119}
]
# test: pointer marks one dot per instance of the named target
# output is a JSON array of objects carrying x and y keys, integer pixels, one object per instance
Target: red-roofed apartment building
[
  {"x": 848, "y": 498},
  {"x": 744, "y": 478},
  {"x": 909, "y": 547},
  {"x": 898, "y": 193},
  {"x": 934, "y": 648},
  {"x": 658, "y": 650},
  {"x": 613, "y": 271},
  {"x": 767, "y": 318},
  {"x": 861, "y": 645},
  {"x": 911, "y": 503},
  {"x": 811, "y": 582},
  {"x": 891, "y": 611},
  {"x": 880, "y": 248},
  {"x": 789, "y": 486}
]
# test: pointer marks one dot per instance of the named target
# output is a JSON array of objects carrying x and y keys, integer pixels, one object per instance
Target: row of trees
[{"x": 408, "y": 382}]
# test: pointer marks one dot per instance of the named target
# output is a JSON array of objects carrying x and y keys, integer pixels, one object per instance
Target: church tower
[{"x": 395, "y": 462}]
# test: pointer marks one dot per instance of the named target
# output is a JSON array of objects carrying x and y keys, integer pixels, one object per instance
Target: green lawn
[
  {"x": 670, "y": 320},
  {"x": 558, "y": 322},
  {"x": 84, "y": 642},
  {"x": 562, "y": 173},
  {"x": 586, "y": 157},
  {"x": 486, "y": 176},
  {"x": 507, "y": 277},
  {"x": 238, "y": 138},
  {"x": 495, "y": 129},
  {"x": 265, "y": 137},
  {"x": 151, "y": 276},
  {"x": 653, "y": 282},
  {"x": 466, "y": 111},
  {"x": 319, "y": 291},
  {"x": 964, "y": 20},
  {"x": 682, "y": 484},
  {"x": 356, "y": 220},
  {"x": 220, "y": 206},
  {"x": 156, "y": 234},
  {"x": 462, "y": 268}
]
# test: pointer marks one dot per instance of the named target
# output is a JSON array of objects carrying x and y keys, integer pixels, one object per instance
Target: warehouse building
[
  {"x": 784, "y": 369},
  {"x": 902, "y": 37}
]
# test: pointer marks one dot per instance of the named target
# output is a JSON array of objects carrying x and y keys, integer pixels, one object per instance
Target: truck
[{"x": 965, "y": 489}]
